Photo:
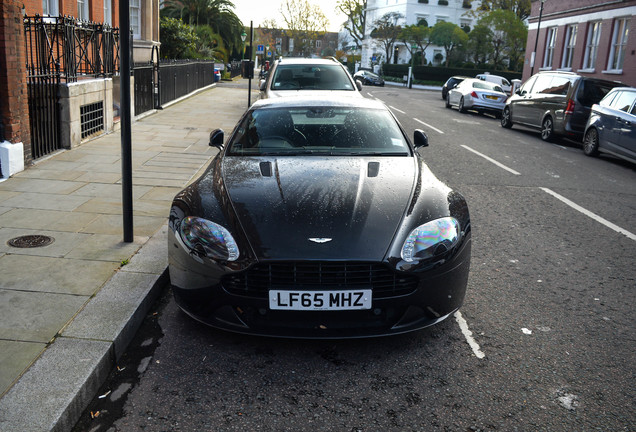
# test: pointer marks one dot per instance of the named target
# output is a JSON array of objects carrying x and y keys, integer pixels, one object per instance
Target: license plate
[
  {"x": 492, "y": 97},
  {"x": 320, "y": 300}
]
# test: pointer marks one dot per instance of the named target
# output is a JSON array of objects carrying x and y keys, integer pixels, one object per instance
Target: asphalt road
[{"x": 544, "y": 341}]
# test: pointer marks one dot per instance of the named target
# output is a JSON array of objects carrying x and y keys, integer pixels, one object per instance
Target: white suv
[{"x": 304, "y": 76}]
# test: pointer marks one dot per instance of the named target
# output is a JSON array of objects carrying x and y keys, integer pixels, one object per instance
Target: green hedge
[{"x": 441, "y": 74}]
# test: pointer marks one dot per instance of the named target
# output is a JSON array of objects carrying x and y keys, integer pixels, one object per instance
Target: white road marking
[
  {"x": 500, "y": 165},
  {"x": 590, "y": 214},
  {"x": 463, "y": 325},
  {"x": 395, "y": 109},
  {"x": 428, "y": 125}
]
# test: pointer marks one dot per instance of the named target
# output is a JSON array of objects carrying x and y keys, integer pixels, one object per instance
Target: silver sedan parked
[{"x": 474, "y": 94}]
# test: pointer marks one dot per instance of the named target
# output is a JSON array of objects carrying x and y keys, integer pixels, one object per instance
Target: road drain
[{"x": 31, "y": 241}]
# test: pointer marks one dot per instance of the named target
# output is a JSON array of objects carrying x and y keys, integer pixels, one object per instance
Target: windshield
[
  {"x": 319, "y": 131},
  {"x": 311, "y": 77}
]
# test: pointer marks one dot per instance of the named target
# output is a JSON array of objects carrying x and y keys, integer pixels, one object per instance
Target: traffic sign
[{"x": 260, "y": 49}]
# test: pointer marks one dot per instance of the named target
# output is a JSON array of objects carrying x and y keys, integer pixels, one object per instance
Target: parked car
[
  {"x": 451, "y": 83},
  {"x": 297, "y": 76},
  {"x": 557, "y": 103},
  {"x": 368, "y": 78},
  {"x": 319, "y": 218},
  {"x": 475, "y": 94},
  {"x": 496, "y": 79},
  {"x": 611, "y": 127},
  {"x": 217, "y": 75}
]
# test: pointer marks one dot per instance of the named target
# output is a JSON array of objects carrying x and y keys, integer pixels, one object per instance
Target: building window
[
  {"x": 50, "y": 7},
  {"x": 108, "y": 12},
  {"x": 550, "y": 43},
  {"x": 318, "y": 44},
  {"x": 591, "y": 45},
  {"x": 135, "y": 18},
  {"x": 82, "y": 10},
  {"x": 619, "y": 41},
  {"x": 570, "y": 42}
]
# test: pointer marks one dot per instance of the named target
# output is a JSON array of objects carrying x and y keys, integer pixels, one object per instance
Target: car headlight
[
  {"x": 432, "y": 239},
  {"x": 208, "y": 238}
]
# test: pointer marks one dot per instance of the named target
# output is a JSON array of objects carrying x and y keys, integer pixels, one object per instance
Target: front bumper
[{"x": 200, "y": 291}]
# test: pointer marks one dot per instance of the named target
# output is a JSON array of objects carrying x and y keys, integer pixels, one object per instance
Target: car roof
[
  {"x": 318, "y": 101},
  {"x": 303, "y": 60}
]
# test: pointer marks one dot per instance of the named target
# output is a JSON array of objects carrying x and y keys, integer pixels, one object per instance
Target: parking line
[
  {"x": 395, "y": 109},
  {"x": 489, "y": 159},
  {"x": 588, "y": 213},
  {"x": 463, "y": 325},
  {"x": 428, "y": 125}
]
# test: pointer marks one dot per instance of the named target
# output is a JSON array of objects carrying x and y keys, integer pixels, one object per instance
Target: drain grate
[{"x": 31, "y": 241}]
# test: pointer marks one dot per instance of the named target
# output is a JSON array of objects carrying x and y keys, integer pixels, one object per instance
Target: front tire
[
  {"x": 506, "y": 118},
  {"x": 590, "y": 142},
  {"x": 547, "y": 129},
  {"x": 448, "y": 105}
]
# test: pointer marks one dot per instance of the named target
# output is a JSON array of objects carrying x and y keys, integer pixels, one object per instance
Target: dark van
[{"x": 557, "y": 103}]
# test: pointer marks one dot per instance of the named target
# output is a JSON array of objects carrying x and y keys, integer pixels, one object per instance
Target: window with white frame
[
  {"x": 570, "y": 42},
  {"x": 82, "y": 10},
  {"x": 318, "y": 44},
  {"x": 550, "y": 43},
  {"x": 108, "y": 12},
  {"x": 135, "y": 18},
  {"x": 591, "y": 45},
  {"x": 50, "y": 7},
  {"x": 619, "y": 41}
]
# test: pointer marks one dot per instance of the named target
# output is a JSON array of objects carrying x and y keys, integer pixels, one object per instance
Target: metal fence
[
  {"x": 177, "y": 79},
  {"x": 71, "y": 48},
  {"x": 62, "y": 49}
]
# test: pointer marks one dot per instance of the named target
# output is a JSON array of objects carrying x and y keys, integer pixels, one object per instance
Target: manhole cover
[{"x": 31, "y": 241}]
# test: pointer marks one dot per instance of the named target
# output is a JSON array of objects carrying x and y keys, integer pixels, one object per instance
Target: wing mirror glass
[
  {"x": 217, "y": 137},
  {"x": 359, "y": 85},
  {"x": 420, "y": 139}
]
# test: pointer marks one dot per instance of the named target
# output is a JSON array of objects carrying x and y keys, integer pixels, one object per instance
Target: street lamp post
[
  {"x": 536, "y": 40},
  {"x": 413, "y": 46},
  {"x": 249, "y": 66}
]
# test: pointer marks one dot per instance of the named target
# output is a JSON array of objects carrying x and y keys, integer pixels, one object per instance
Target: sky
[{"x": 260, "y": 10}]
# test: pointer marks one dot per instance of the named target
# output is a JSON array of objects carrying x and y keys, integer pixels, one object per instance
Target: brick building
[
  {"x": 590, "y": 37},
  {"x": 59, "y": 72}
]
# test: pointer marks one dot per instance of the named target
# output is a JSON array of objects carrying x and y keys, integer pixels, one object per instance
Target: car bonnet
[{"x": 320, "y": 207}]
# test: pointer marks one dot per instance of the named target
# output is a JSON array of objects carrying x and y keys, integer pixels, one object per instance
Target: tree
[
  {"x": 521, "y": 8},
  {"x": 304, "y": 21},
  {"x": 480, "y": 44},
  {"x": 386, "y": 31},
  {"x": 416, "y": 35},
  {"x": 509, "y": 35},
  {"x": 218, "y": 14},
  {"x": 356, "y": 12},
  {"x": 449, "y": 36},
  {"x": 178, "y": 40}
]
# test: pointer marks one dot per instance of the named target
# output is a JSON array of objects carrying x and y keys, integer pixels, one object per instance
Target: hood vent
[
  {"x": 266, "y": 169},
  {"x": 373, "y": 169}
]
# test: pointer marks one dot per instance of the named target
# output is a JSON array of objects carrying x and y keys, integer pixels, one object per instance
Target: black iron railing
[{"x": 71, "y": 48}]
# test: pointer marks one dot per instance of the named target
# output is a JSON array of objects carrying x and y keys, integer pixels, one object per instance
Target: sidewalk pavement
[{"x": 69, "y": 309}]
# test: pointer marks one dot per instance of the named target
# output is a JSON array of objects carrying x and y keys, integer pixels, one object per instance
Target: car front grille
[{"x": 259, "y": 279}]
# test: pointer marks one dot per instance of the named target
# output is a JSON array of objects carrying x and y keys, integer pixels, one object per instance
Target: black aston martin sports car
[{"x": 319, "y": 219}]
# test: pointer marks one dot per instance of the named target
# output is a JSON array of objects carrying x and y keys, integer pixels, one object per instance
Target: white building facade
[{"x": 454, "y": 11}]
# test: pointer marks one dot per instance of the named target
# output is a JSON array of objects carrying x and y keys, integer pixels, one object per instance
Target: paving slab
[
  {"x": 44, "y": 201},
  {"x": 45, "y": 219},
  {"x": 63, "y": 242},
  {"x": 63, "y": 276},
  {"x": 36, "y": 316},
  {"x": 15, "y": 358}
]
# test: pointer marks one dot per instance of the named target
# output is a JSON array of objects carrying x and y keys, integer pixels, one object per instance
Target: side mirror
[
  {"x": 420, "y": 139},
  {"x": 216, "y": 138},
  {"x": 359, "y": 85},
  {"x": 262, "y": 85}
]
